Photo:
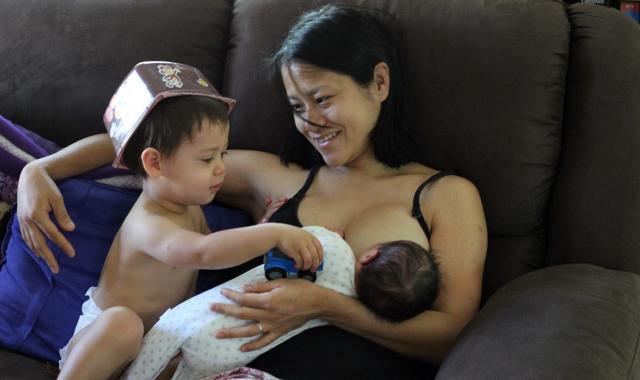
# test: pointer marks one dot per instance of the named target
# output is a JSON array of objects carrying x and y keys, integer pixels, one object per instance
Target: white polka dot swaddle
[{"x": 190, "y": 327}]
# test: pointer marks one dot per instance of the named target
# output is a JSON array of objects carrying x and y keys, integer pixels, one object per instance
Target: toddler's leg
[{"x": 103, "y": 349}]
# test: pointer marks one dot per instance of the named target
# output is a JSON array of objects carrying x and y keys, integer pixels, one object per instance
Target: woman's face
[{"x": 333, "y": 112}]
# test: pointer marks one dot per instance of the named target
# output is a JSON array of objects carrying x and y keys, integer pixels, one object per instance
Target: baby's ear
[
  {"x": 151, "y": 161},
  {"x": 369, "y": 256}
]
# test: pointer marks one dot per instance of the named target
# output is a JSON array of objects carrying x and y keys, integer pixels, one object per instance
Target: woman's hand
[
  {"x": 279, "y": 306},
  {"x": 38, "y": 195},
  {"x": 272, "y": 207}
]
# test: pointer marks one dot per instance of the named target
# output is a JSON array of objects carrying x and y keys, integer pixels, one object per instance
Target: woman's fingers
[
  {"x": 261, "y": 287},
  {"x": 37, "y": 196},
  {"x": 40, "y": 248},
  {"x": 61, "y": 214},
  {"x": 54, "y": 234},
  {"x": 262, "y": 341},
  {"x": 246, "y": 299},
  {"x": 239, "y": 312},
  {"x": 26, "y": 237},
  {"x": 243, "y": 331}
]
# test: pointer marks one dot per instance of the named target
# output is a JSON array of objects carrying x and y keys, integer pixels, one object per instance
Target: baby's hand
[
  {"x": 301, "y": 246},
  {"x": 272, "y": 207}
]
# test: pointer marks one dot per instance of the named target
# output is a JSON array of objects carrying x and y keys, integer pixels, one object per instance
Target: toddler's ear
[{"x": 151, "y": 161}]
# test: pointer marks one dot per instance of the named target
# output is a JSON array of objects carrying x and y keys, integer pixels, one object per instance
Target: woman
[{"x": 350, "y": 168}]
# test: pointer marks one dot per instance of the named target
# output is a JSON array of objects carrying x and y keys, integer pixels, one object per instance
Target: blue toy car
[{"x": 278, "y": 265}]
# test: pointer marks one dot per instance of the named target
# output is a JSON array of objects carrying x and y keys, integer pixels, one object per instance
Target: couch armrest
[
  {"x": 18, "y": 366},
  {"x": 574, "y": 321}
]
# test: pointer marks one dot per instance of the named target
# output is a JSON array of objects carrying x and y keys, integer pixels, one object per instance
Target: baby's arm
[{"x": 177, "y": 246}]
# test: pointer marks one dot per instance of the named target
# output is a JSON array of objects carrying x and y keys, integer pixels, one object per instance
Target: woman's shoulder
[
  {"x": 261, "y": 174},
  {"x": 442, "y": 184},
  {"x": 253, "y": 160}
]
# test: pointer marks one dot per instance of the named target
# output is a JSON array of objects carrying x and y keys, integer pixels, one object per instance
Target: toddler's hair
[{"x": 169, "y": 123}]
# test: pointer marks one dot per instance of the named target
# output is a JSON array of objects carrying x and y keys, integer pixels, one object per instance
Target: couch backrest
[
  {"x": 63, "y": 60},
  {"x": 486, "y": 83},
  {"x": 595, "y": 209}
]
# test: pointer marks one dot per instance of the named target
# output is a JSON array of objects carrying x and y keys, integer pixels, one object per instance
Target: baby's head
[{"x": 397, "y": 280}]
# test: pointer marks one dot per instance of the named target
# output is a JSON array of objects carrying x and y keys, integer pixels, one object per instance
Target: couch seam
[{"x": 635, "y": 356}]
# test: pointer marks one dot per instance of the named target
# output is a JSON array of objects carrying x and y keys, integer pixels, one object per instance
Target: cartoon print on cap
[{"x": 170, "y": 76}]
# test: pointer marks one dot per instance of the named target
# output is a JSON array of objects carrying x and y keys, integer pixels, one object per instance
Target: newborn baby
[{"x": 395, "y": 280}]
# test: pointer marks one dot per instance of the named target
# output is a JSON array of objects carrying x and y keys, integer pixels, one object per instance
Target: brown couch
[{"x": 536, "y": 102}]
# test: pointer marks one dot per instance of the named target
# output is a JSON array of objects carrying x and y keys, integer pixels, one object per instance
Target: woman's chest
[{"x": 366, "y": 218}]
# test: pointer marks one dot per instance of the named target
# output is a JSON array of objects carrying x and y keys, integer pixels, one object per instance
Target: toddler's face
[{"x": 195, "y": 172}]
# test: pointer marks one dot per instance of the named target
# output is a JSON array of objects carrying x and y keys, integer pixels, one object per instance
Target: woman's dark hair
[
  {"x": 402, "y": 282},
  {"x": 350, "y": 41},
  {"x": 171, "y": 121}
]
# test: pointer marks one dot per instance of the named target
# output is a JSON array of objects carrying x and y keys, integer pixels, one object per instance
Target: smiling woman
[{"x": 332, "y": 112}]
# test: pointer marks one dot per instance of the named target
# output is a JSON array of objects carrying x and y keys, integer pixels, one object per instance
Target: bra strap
[
  {"x": 416, "y": 212},
  {"x": 307, "y": 184}
]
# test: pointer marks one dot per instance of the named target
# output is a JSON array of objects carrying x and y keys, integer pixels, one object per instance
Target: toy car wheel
[
  {"x": 275, "y": 273},
  {"x": 307, "y": 275}
]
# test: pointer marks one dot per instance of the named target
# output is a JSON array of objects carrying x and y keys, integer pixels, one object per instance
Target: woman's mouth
[{"x": 324, "y": 140}]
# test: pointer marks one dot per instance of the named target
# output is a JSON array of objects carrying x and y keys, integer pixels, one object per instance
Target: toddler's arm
[{"x": 177, "y": 246}]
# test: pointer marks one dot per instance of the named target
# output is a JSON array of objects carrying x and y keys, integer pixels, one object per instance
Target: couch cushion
[
  {"x": 595, "y": 210},
  {"x": 574, "y": 321},
  {"x": 16, "y": 366},
  {"x": 490, "y": 91},
  {"x": 62, "y": 60}
]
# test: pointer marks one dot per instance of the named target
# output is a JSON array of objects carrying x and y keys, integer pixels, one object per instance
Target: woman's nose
[{"x": 313, "y": 117}]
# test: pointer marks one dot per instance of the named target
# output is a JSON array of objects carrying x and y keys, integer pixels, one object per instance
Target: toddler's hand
[{"x": 301, "y": 246}]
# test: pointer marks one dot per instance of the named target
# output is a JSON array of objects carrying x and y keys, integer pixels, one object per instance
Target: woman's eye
[
  {"x": 207, "y": 160},
  {"x": 297, "y": 108},
  {"x": 322, "y": 99}
]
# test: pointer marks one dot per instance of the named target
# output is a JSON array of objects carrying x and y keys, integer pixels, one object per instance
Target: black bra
[{"x": 288, "y": 212}]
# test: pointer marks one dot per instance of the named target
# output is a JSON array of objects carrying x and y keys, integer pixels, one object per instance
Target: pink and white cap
[{"x": 144, "y": 87}]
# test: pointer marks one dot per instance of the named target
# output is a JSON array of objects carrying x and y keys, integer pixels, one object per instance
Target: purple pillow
[{"x": 39, "y": 310}]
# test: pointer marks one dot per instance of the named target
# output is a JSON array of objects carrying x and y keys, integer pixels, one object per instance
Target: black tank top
[{"x": 288, "y": 212}]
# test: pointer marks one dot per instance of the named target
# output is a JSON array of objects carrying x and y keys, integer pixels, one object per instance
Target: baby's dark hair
[
  {"x": 403, "y": 281},
  {"x": 171, "y": 121}
]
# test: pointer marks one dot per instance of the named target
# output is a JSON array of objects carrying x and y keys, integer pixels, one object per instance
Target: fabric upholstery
[
  {"x": 68, "y": 57},
  {"x": 595, "y": 211},
  {"x": 586, "y": 326}
]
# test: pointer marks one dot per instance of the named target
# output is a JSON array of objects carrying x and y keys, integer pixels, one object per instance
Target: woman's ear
[
  {"x": 381, "y": 81},
  {"x": 151, "y": 158}
]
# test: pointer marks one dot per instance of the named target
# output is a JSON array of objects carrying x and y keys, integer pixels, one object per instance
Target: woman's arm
[
  {"x": 459, "y": 238},
  {"x": 38, "y": 195},
  {"x": 252, "y": 177}
]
